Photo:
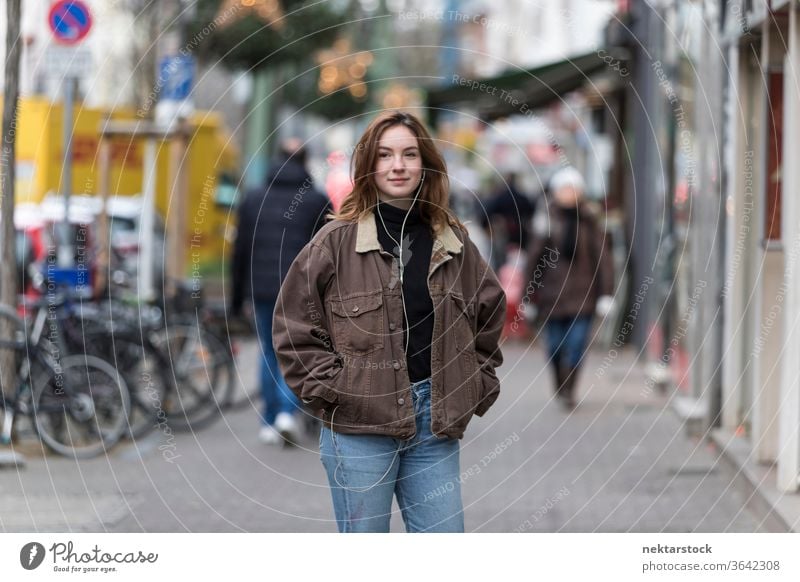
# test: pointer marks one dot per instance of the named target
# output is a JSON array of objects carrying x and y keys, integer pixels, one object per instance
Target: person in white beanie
[{"x": 570, "y": 276}]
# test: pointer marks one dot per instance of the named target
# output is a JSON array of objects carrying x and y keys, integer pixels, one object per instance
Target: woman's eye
[
  {"x": 411, "y": 155},
  {"x": 383, "y": 155}
]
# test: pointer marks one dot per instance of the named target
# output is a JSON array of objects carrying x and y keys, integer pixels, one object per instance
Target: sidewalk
[
  {"x": 779, "y": 510},
  {"x": 620, "y": 462}
]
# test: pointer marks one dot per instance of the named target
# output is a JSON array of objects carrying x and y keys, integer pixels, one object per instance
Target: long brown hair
[{"x": 435, "y": 195}]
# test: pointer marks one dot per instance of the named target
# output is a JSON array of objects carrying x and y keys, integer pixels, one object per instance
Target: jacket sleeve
[
  {"x": 490, "y": 313},
  {"x": 300, "y": 335}
]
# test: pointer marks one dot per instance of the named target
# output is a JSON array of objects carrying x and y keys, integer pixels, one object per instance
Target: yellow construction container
[{"x": 212, "y": 169}]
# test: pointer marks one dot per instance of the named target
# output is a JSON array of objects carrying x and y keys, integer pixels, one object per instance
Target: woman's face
[
  {"x": 568, "y": 196},
  {"x": 399, "y": 166}
]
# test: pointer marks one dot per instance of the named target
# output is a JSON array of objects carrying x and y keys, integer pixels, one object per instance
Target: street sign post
[
  {"x": 175, "y": 78},
  {"x": 176, "y": 75},
  {"x": 62, "y": 61},
  {"x": 70, "y": 22}
]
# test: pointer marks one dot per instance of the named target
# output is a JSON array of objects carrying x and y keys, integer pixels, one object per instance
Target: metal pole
[
  {"x": 258, "y": 128},
  {"x": 145, "y": 269},
  {"x": 103, "y": 235},
  {"x": 177, "y": 215},
  {"x": 66, "y": 254}
]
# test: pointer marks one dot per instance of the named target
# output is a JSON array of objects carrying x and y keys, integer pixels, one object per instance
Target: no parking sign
[{"x": 70, "y": 21}]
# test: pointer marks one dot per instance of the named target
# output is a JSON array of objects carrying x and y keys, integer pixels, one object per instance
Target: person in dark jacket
[
  {"x": 275, "y": 223},
  {"x": 569, "y": 276},
  {"x": 509, "y": 210}
]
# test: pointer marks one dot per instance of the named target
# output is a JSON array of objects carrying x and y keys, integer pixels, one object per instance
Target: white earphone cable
[
  {"x": 408, "y": 335},
  {"x": 401, "y": 265}
]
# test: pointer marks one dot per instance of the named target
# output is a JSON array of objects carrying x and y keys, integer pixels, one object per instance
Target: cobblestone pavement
[{"x": 620, "y": 462}]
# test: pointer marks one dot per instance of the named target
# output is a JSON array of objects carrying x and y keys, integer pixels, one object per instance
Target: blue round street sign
[{"x": 70, "y": 21}]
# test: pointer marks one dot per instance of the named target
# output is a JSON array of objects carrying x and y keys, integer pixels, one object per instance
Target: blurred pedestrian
[
  {"x": 389, "y": 322},
  {"x": 275, "y": 222},
  {"x": 507, "y": 216},
  {"x": 569, "y": 276},
  {"x": 338, "y": 183}
]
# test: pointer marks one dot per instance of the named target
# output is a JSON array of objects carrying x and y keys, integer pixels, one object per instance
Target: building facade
[{"x": 720, "y": 115}]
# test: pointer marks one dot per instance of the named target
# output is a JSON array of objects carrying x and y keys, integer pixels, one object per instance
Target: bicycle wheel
[
  {"x": 200, "y": 373},
  {"x": 14, "y": 368},
  {"x": 245, "y": 392},
  {"x": 142, "y": 367},
  {"x": 13, "y": 348},
  {"x": 227, "y": 393},
  {"x": 80, "y": 407}
]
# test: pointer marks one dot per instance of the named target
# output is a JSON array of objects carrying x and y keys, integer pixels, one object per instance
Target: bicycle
[
  {"x": 171, "y": 377},
  {"x": 78, "y": 404}
]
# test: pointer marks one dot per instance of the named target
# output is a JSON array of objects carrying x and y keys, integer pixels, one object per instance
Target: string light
[
  {"x": 269, "y": 11},
  {"x": 340, "y": 68}
]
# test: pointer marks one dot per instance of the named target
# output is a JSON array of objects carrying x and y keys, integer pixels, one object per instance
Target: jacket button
[
  {"x": 401, "y": 401},
  {"x": 396, "y": 365},
  {"x": 392, "y": 326},
  {"x": 355, "y": 309}
]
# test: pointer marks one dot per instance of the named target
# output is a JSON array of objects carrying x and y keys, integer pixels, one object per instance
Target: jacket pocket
[
  {"x": 461, "y": 322},
  {"x": 462, "y": 328},
  {"x": 358, "y": 323}
]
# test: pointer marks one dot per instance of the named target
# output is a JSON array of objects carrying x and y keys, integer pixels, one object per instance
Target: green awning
[{"x": 495, "y": 96}]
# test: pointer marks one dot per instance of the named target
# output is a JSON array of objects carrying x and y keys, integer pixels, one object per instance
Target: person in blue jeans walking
[
  {"x": 275, "y": 222},
  {"x": 388, "y": 323},
  {"x": 280, "y": 404},
  {"x": 569, "y": 277}
]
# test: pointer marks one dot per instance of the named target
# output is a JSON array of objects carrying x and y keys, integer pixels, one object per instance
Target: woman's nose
[{"x": 398, "y": 164}]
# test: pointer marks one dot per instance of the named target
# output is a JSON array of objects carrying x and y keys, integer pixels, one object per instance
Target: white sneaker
[
  {"x": 269, "y": 436},
  {"x": 288, "y": 428}
]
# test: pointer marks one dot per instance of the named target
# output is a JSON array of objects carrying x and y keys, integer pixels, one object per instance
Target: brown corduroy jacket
[{"x": 338, "y": 332}]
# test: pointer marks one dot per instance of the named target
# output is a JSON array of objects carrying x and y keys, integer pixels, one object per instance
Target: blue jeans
[
  {"x": 567, "y": 338},
  {"x": 366, "y": 471},
  {"x": 276, "y": 394}
]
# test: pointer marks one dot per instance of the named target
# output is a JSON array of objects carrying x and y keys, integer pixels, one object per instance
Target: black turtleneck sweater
[{"x": 417, "y": 299}]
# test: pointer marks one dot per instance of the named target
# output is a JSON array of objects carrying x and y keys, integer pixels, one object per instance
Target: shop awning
[{"x": 495, "y": 97}]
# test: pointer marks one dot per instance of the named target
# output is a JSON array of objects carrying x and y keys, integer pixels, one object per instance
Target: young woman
[
  {"x": 388, "y": 322},
  {"x": 570, "y": 274}
]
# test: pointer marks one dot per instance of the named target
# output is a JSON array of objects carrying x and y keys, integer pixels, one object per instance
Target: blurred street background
[{"x": 133, "y": 129}]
